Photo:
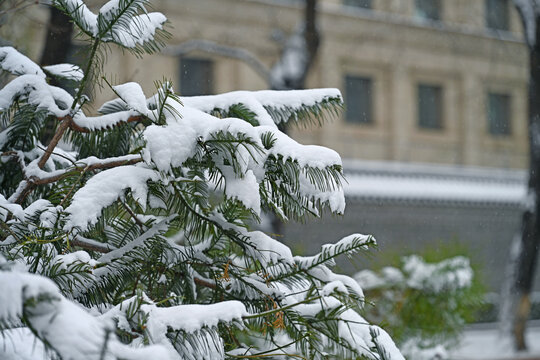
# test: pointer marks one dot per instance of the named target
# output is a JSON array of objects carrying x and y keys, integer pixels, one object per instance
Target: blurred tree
[
  {"x": 529, "y": 11},
  {"x": 291, "y": 69}
]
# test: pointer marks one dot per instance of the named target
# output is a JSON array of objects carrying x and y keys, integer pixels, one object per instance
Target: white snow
[
  {"x": 67, "y": 327},
  {"x": 396, "y": 187},
  {"x": 18, "y": 64},
  {"x": 330, "y": 250},
  {"x": 101, "y": 122},
  {"x": 156, "y": 229},
  {"x": 333, "y": 286},
  {"x": 489, "y": 344},
  {"x": 21, "y": 344},
  {"x": 37, "y": 92},
  {"x": 449, "y": 274},
  {"x": 306, "y": 155},
  {"x": 256, "y": 101},
  {"x": 133, "y": 95},
  {"x": 267, "y": 249},
  {"x": 66, "y": 71},
  {"x": 75, "y": 257},
  {"x": 169, "y": 146},
  {"x": 530, "y": 10},
  {"x": 325, "y": 274},
  {"x": 245, "y": 189},
  {"x": 7, "y": 207},
  {"x": 292, "y": 63},
  {"x": 89, "y": 19},
  {"x": 192, "y": 317},
  {"x": 105, "y": 188},
  {"x": 141, "y": 28}
]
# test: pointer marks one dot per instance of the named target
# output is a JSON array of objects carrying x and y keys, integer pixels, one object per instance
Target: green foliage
[{"x": 426, "y": 301}]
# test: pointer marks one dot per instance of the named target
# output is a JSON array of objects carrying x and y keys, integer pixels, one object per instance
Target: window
[
  {"x": 358, "y": 3},
  {"x": 497, "y": 16},
  {"x": 358, "y": 92},
  {"x": 428, "y": 9},
  {"x": 196, "y": 77},
  {"x": 430, "y": 106},
  {"x": 498, "y": 114}
]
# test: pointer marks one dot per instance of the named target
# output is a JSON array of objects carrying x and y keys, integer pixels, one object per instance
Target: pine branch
[
  {"x": 85, "y": 129},
  {"x": 91, "y": 245},
  {"x": 105, "y": 164}
]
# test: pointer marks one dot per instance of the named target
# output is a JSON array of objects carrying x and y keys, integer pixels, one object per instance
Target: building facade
[
  {"x": 441, "y": 81},
  {"x": 423, "y": 81}
]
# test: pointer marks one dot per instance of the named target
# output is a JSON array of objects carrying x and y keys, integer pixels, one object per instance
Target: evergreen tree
[{"x": 131, "y": 234}]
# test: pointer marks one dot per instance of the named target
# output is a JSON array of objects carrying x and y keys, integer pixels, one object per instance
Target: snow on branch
[
  {"x": 83, "y": 123},
  {"x": 346, "y": 246},
  {"x": 529, "y": 11},
  {"x": 139, "y": 32},
  {"x": 126, "y": 23},
  {"x": 85, "y": 19},
  {"x": 274, "y": 107},
  {"x": 35, "y": 90},
  {"x": 65, "y": 71},
  {"x": 38, "y": 176},
  {"x": 64, "y": 326},
  {"x": 105, "y": 188},
  {"x": 192, "y": 317},
  {"x": 18, "y": 64}
]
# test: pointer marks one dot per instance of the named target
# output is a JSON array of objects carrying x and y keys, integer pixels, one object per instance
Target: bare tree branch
[
  {"x": 92, "y": 245},
  {"x": 223, "y": 50}
]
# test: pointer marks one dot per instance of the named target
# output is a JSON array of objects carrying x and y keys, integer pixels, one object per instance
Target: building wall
[
  {"x": 389, "y": 44},
  {"x": 397, "y": 51},
  {"x": 405, "y": 228}
]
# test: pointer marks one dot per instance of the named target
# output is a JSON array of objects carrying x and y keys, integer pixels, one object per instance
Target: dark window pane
[
  {"x": 428, "y": 9},
  {"x": 196, "y": 77},
  {"x": 358, "y": 3},
  {"x": 497, "y": 16},
  {"x": 498, "y": 114},
  {"x": 429, "y": 106},
  {"x": 358, "y": 93}
]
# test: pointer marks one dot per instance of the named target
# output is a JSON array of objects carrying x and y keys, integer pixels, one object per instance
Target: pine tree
[{"x": 131, "y": 235}]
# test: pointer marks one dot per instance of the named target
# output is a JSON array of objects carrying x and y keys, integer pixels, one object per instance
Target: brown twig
[
  {"x": 204, "y": 283},
  {"x": 132, "y": 214},
  {"x": 64, "y": 124},
  {"x": 82, "y": 243},
  {"x": 96, "y": 166}
]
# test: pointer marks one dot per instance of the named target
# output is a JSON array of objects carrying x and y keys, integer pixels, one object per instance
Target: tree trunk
[
  {"x": 530, "y": 239},
  {"x": 57, "y": 44},
  {"x": 58, "y": 40},
  {"x": 311, "y": 35},
  {"x": 312, "y": 41}
]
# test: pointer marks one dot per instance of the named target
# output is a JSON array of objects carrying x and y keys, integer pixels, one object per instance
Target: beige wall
[{"x": 390, "y": 45}]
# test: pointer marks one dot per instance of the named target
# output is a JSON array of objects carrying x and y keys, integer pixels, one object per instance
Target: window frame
[
  {"x": 418, "y": 4},
  {"x": 368, "y": 117},
  {"x": 208, "y": 88},
  {"x": 495, "y": 129},
  {"x": 360, "y": 4},
  {"x": 421, "y": 123},
  {"x": 489, "y": 10}
]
